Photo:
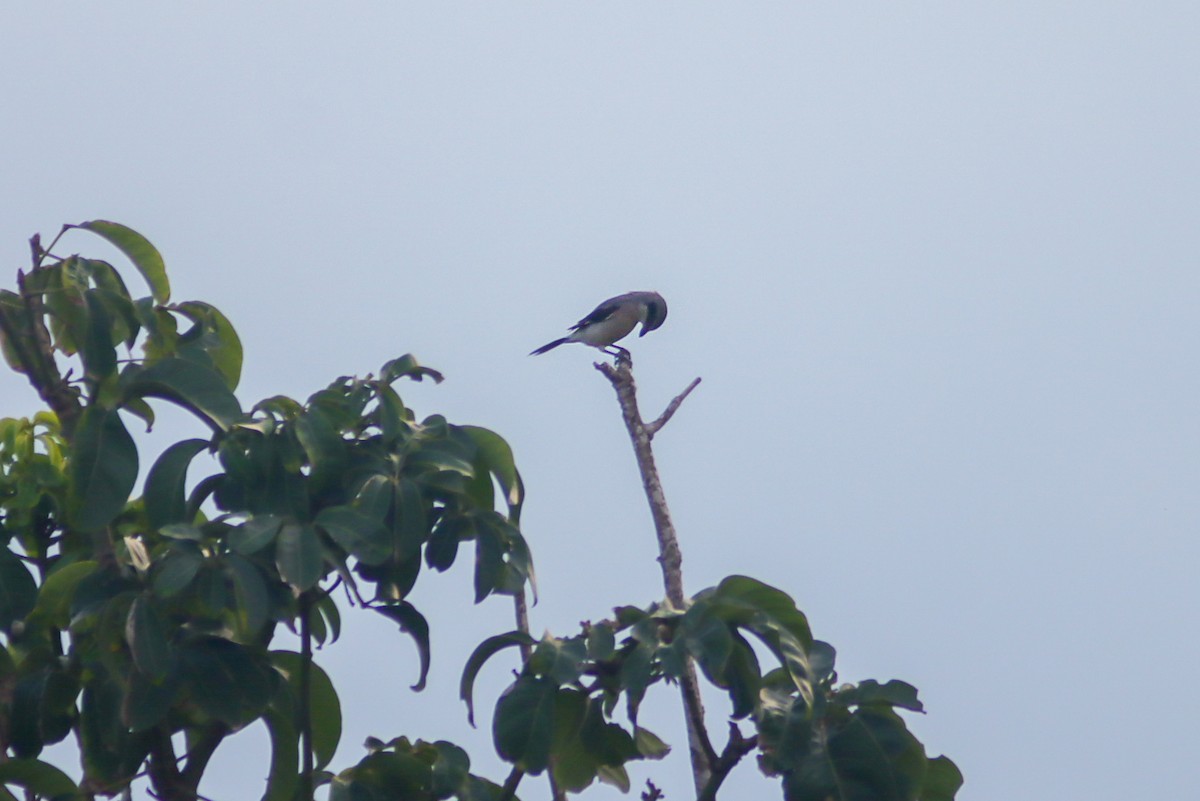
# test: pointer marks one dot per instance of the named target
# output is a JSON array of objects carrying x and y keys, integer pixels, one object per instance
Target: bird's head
[{"x": 655, "y": 311}]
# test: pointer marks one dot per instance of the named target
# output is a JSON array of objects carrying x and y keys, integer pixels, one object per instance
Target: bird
[{"x": 614, "y": 319}]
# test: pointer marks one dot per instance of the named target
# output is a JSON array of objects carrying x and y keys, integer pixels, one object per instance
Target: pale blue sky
[{"x": 938, "y": 265}]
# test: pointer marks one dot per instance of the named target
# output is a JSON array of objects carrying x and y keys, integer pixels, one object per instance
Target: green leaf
[
  {"x": 228, "y": 681},
  {"x": 743, "y": 677},
  {"x": 175, "y": 571},
  {"x": 785, "y": 731},
  {"x": 442, "y": 548},
  {"x": 196, "y": 387},
  {"x": 574, "y": 763},
  {"x": 872, "y": 757},
  {"x": 146, "y": 634},
  {"x": 139, "y": 251},
  {"x": 484, "y": 651},
  {"x": 383, "y": 776},
  {"x": 406, "y": 365},
  {"x": 357, "y": 533},
  {"x": 103, "y": 471},
  {"x": 219, "y": 338},
  {"x": 325, "y": 449},
  {"x": 39, "y": 778},
  {"x": 942, "y": 780},
  {"x": 740, "y": 597},
  {"x": 771, "y": 615},
  {"x": 496, "y": 456},
  {"x": 250, "y": 590},
  {"x": 649, "y": 744},
  {"x": 18, "y": 591},
  {"x": 523, "y": 727},
  {"x": 103, "y": 738},
  {"x": 284, "y": 778},
  {"x": 298, "y": 555},
  {"x": 414, "y": 623},
  {"x": 43, "y": 709},
  {"x": 96, "y": 350},
  {"x": 54, "y": 600},
  {"x": 325, "y": 709},
  {"x": 164, "y": 495},
  {"x": 489, "y": 560},
  {"x": 894, "y": 693},
  {"x": 614, "y": 775},
  {"x": 707, "y": 639},
  {"x": 559, "y": 659},
  {"x": 146, "y": 703},
  {"x": 255, "y": 534},
  {"x": 450, "y": 770}
]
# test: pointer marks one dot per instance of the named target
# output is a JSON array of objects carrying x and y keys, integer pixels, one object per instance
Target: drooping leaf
[
  {"x": 414, "y": 623},
  {"x": 325, "y": 709},
  {"x": 357, "y": 533},
  {"x": 298, "y": 555},
  {"x": 484, "y": 651},
  {"x": 250, "y": 590},
  {"x": 219, "y": 338},
  {"x": 283, "y": 779},
  {"x": 96, "y": 349},
  {"x": 740, "y": 597},
  {"x": 18, "y": 591},
  {"x": 103, "y": 469},
  {"x": 574, "y": 763},
  {"x": 196, "y": 387},
  {"x": 103, "y": 736},
  {"x": 164, "y": 495},
  {"x": 523, "y": 726},
  {"x": 137, "y": 249},
  {"x": 230, "y": 682},
  {"x": 145, "y": 632},
  {"x": 406, "y": 366},
  {"x": 497, "y": 457},
  {"x": 649, "y": 744},
  {"x": 39, "y": 778}
]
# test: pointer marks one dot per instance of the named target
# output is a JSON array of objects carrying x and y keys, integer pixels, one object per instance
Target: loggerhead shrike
[{"x": 614, "y": 319}]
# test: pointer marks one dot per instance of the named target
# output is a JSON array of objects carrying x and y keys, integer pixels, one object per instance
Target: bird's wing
[{"x": 600, "y": 313}]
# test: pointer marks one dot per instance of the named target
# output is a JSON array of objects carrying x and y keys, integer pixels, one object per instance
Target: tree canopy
[{"x": 129, "y": 621}]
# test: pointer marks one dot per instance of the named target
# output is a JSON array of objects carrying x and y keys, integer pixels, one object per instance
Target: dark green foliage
[{"x": 129, "y": 621}]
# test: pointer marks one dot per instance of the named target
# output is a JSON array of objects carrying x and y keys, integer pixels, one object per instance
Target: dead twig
[{"x": 670, "y": 558}]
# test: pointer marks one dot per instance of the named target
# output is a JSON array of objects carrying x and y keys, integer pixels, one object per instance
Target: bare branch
[
  {"x": 672, "y": 407},
  {"x": 670, "y": 558}
]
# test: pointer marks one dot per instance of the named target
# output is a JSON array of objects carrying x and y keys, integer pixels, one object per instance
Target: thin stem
[
  {"x": 306, "y": 751},
  {"x": 670, "y": 557}
]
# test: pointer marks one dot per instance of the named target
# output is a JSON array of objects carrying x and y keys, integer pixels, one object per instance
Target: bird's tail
[{"x": 550, "y": 346}]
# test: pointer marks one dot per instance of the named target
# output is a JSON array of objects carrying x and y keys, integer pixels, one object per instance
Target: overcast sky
[{"x": 937, "y": 263}]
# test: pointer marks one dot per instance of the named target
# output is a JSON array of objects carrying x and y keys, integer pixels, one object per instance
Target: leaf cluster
[
  {"x": 824, "y": 741},
  {"x": 136, "y": 623},
  {"x": 132, "y": 620}
]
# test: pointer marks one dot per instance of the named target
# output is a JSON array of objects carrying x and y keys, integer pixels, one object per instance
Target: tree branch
[
  {"x": 670, "y": 558},
  {"x": 737, "y": 747},
  {"x": 672, "y": 407}
]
